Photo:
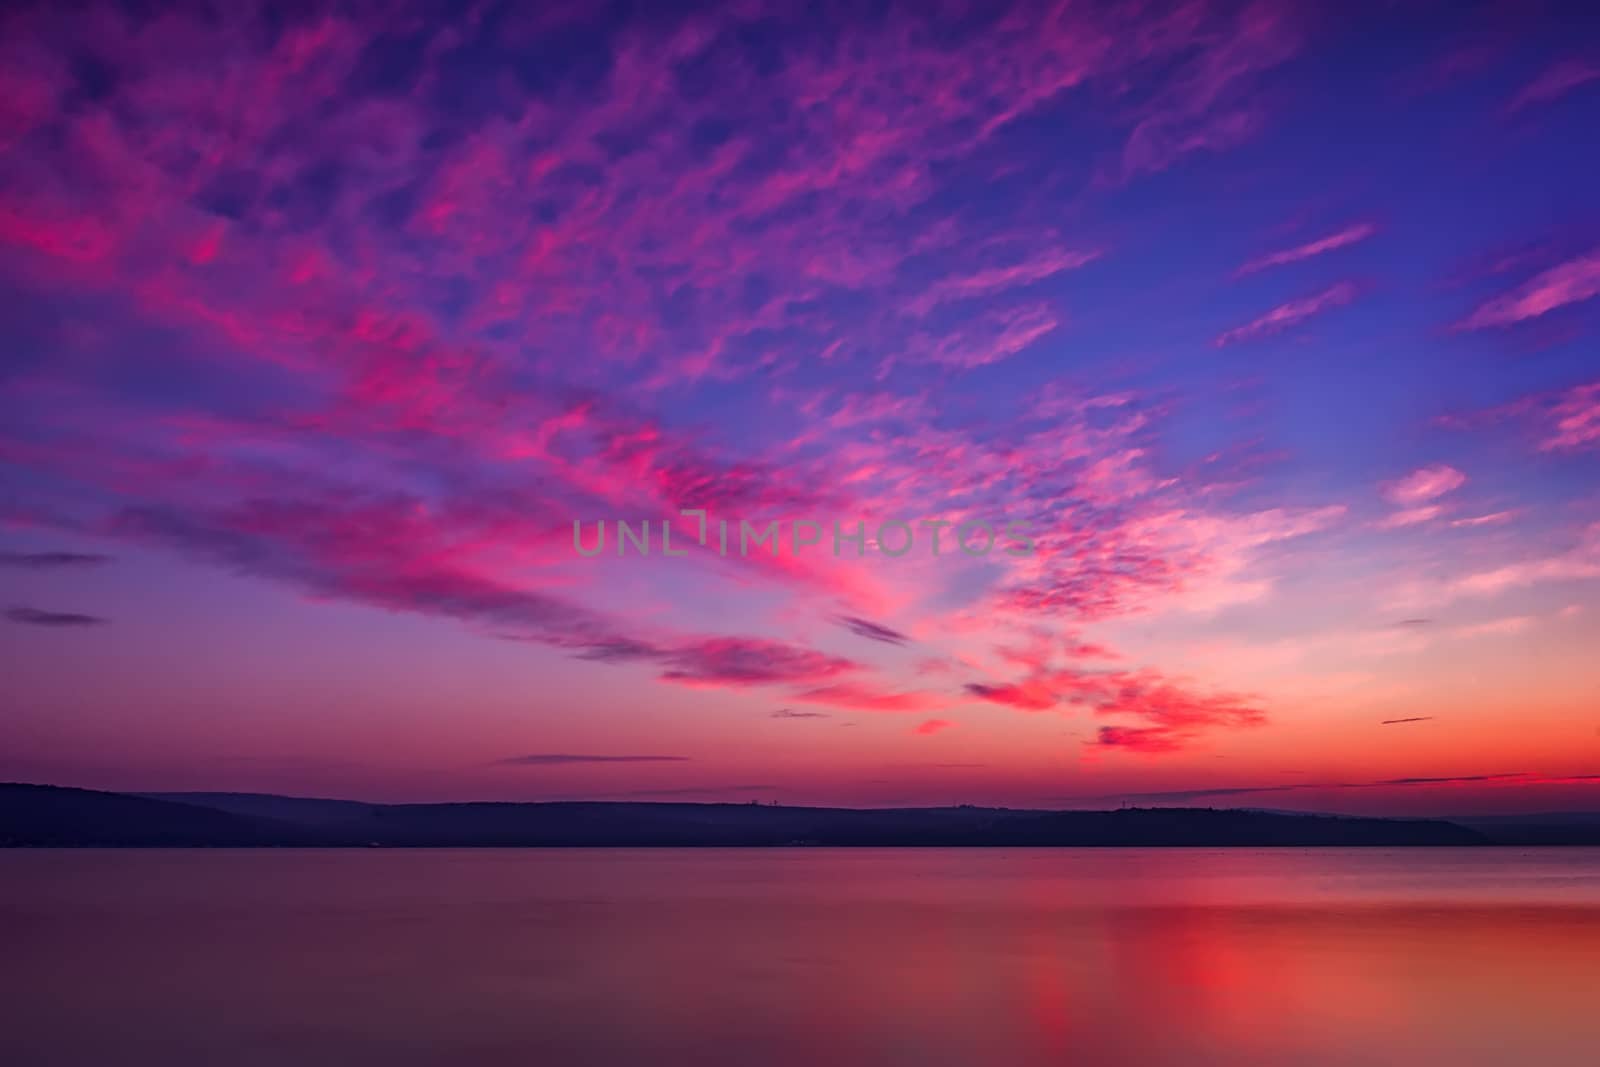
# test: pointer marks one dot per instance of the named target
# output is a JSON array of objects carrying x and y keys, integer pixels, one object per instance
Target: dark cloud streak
[
  {"x": 561, "y": 759},
  {"x": 51, "y": 560},
  {"x": 872, "y": 631},
  {"x": 39, "y": 617},
  {"x": 1463, "y": 779}
]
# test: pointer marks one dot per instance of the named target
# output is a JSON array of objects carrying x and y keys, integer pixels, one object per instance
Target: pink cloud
[
  {"x": 1553, "y": 82},
  {"x": 1073, "y": 648},
  {"x": 994, "y": 337},
  {"x": 1032, "y": 695},
  {"x": 1152, "y": 557},
  {"x": 1496, "y": 627},
  {"x": 1178, "y": 714},
  {"x": 1564, "y": 420},
  {"x": 1567, "y": 283},
  {"x": 1343, "y": 238},
  {"x": 1414, "y": 492},
  {"x": 1175, "y": 714},
  {"x": 1287, "y": 315},
  {"x": 1576, "y": 418},
  {"x": 1424, "y": 484},
  {"x": 430, "y": 385},
  {"x": 1410, "y": 517},
  {"x": 998, "y": 279},
  {"x": 1511, "y": 576},
  {"x": 873, "y": 112},
  {"x": 931, "y": 726},
  {"x": 737, "y": 661},
  {"x": 1208, "y": 106},
  {"x": 1149, "y": 739},
  {"x": 1492, "y": 519},
  {"x": 1580, "y": 562},
  {"x": 868, "y": 698}
]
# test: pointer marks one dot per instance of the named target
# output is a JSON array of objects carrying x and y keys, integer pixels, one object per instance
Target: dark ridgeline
[
  {"x": 42, "y": 815},
  {"x": 51, "y": 815}
]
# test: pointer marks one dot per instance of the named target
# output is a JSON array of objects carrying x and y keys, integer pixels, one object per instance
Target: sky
[{"x": 1271, "y": 326}]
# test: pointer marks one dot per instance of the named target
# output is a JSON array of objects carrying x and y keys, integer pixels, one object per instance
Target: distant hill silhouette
[
  {"x": 1541, "y": 828},
  {"x": 52, "y": 815},
  {"x": 302, "y": 810},
  {"x": 57, "y": 816}
]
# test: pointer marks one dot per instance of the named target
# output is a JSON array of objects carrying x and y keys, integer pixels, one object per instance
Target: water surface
[{"x": 800, "y": 956}]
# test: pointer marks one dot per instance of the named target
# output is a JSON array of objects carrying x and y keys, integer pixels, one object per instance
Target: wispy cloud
[
  {"x": 1210, "y": 108},
  {"x": 703, "y": 791},
  {"x": 1028, "y": 695},
  {"x": 719, "y": 662},
  {"x": 872, "y": 631},
  {"x": 863, "y": 697},
  {"x": 1288, "y": 315},
  {"x": 791, "y": 713},
  {"x": 1571, "y": 282},
  {"x": 560, "y": 759},
  {"x": 1409, "y": 517},
  {"x": 1139, "y": 739},
  {"x": 742, "y": 661},
  {"x": 1342, "y": 239},
  {"x": 1424, "y": 484},
  {"x": 369, "y": 299},
  {"x": 1576, "y": 419},
  {"x": 39, "y": 617},
  {"x": 1564, "y": 420},
  {"x": 1508, "y": 778},
  {"x": 1514, "y": 624},
  {"x": 51, "y": 560},
  {"x": 932, "y": 726},
  {"x": 1170, "y": 714},
  {"x": 1554, "y": 82},
  {"x": 1414, "y": 718},
  {"x": 1582, "y": 561},
  {"x": 1414, "y": 492},
  {"x": 997, "y": 279},
  {"x": 992, "y": 337},
  {"x": 1492, "y": 519}
]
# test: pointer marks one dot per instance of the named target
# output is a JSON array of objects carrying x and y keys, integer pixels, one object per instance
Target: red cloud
[
  {"x": 866, "y": 698},
  {"x": 1030, "y": 696},
  {"x": 1138, "y": 739},
  {"x": 1175, "y": 714}
]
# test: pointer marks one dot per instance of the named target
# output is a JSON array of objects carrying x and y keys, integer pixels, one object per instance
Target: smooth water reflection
[{"x": 800, "y": 956}]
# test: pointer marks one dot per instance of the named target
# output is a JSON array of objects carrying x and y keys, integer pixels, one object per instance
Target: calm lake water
[{"x": 800, "y": 956}]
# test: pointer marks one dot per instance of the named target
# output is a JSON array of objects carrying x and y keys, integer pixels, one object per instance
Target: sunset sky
[{"x": 1276, "y": 322}]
